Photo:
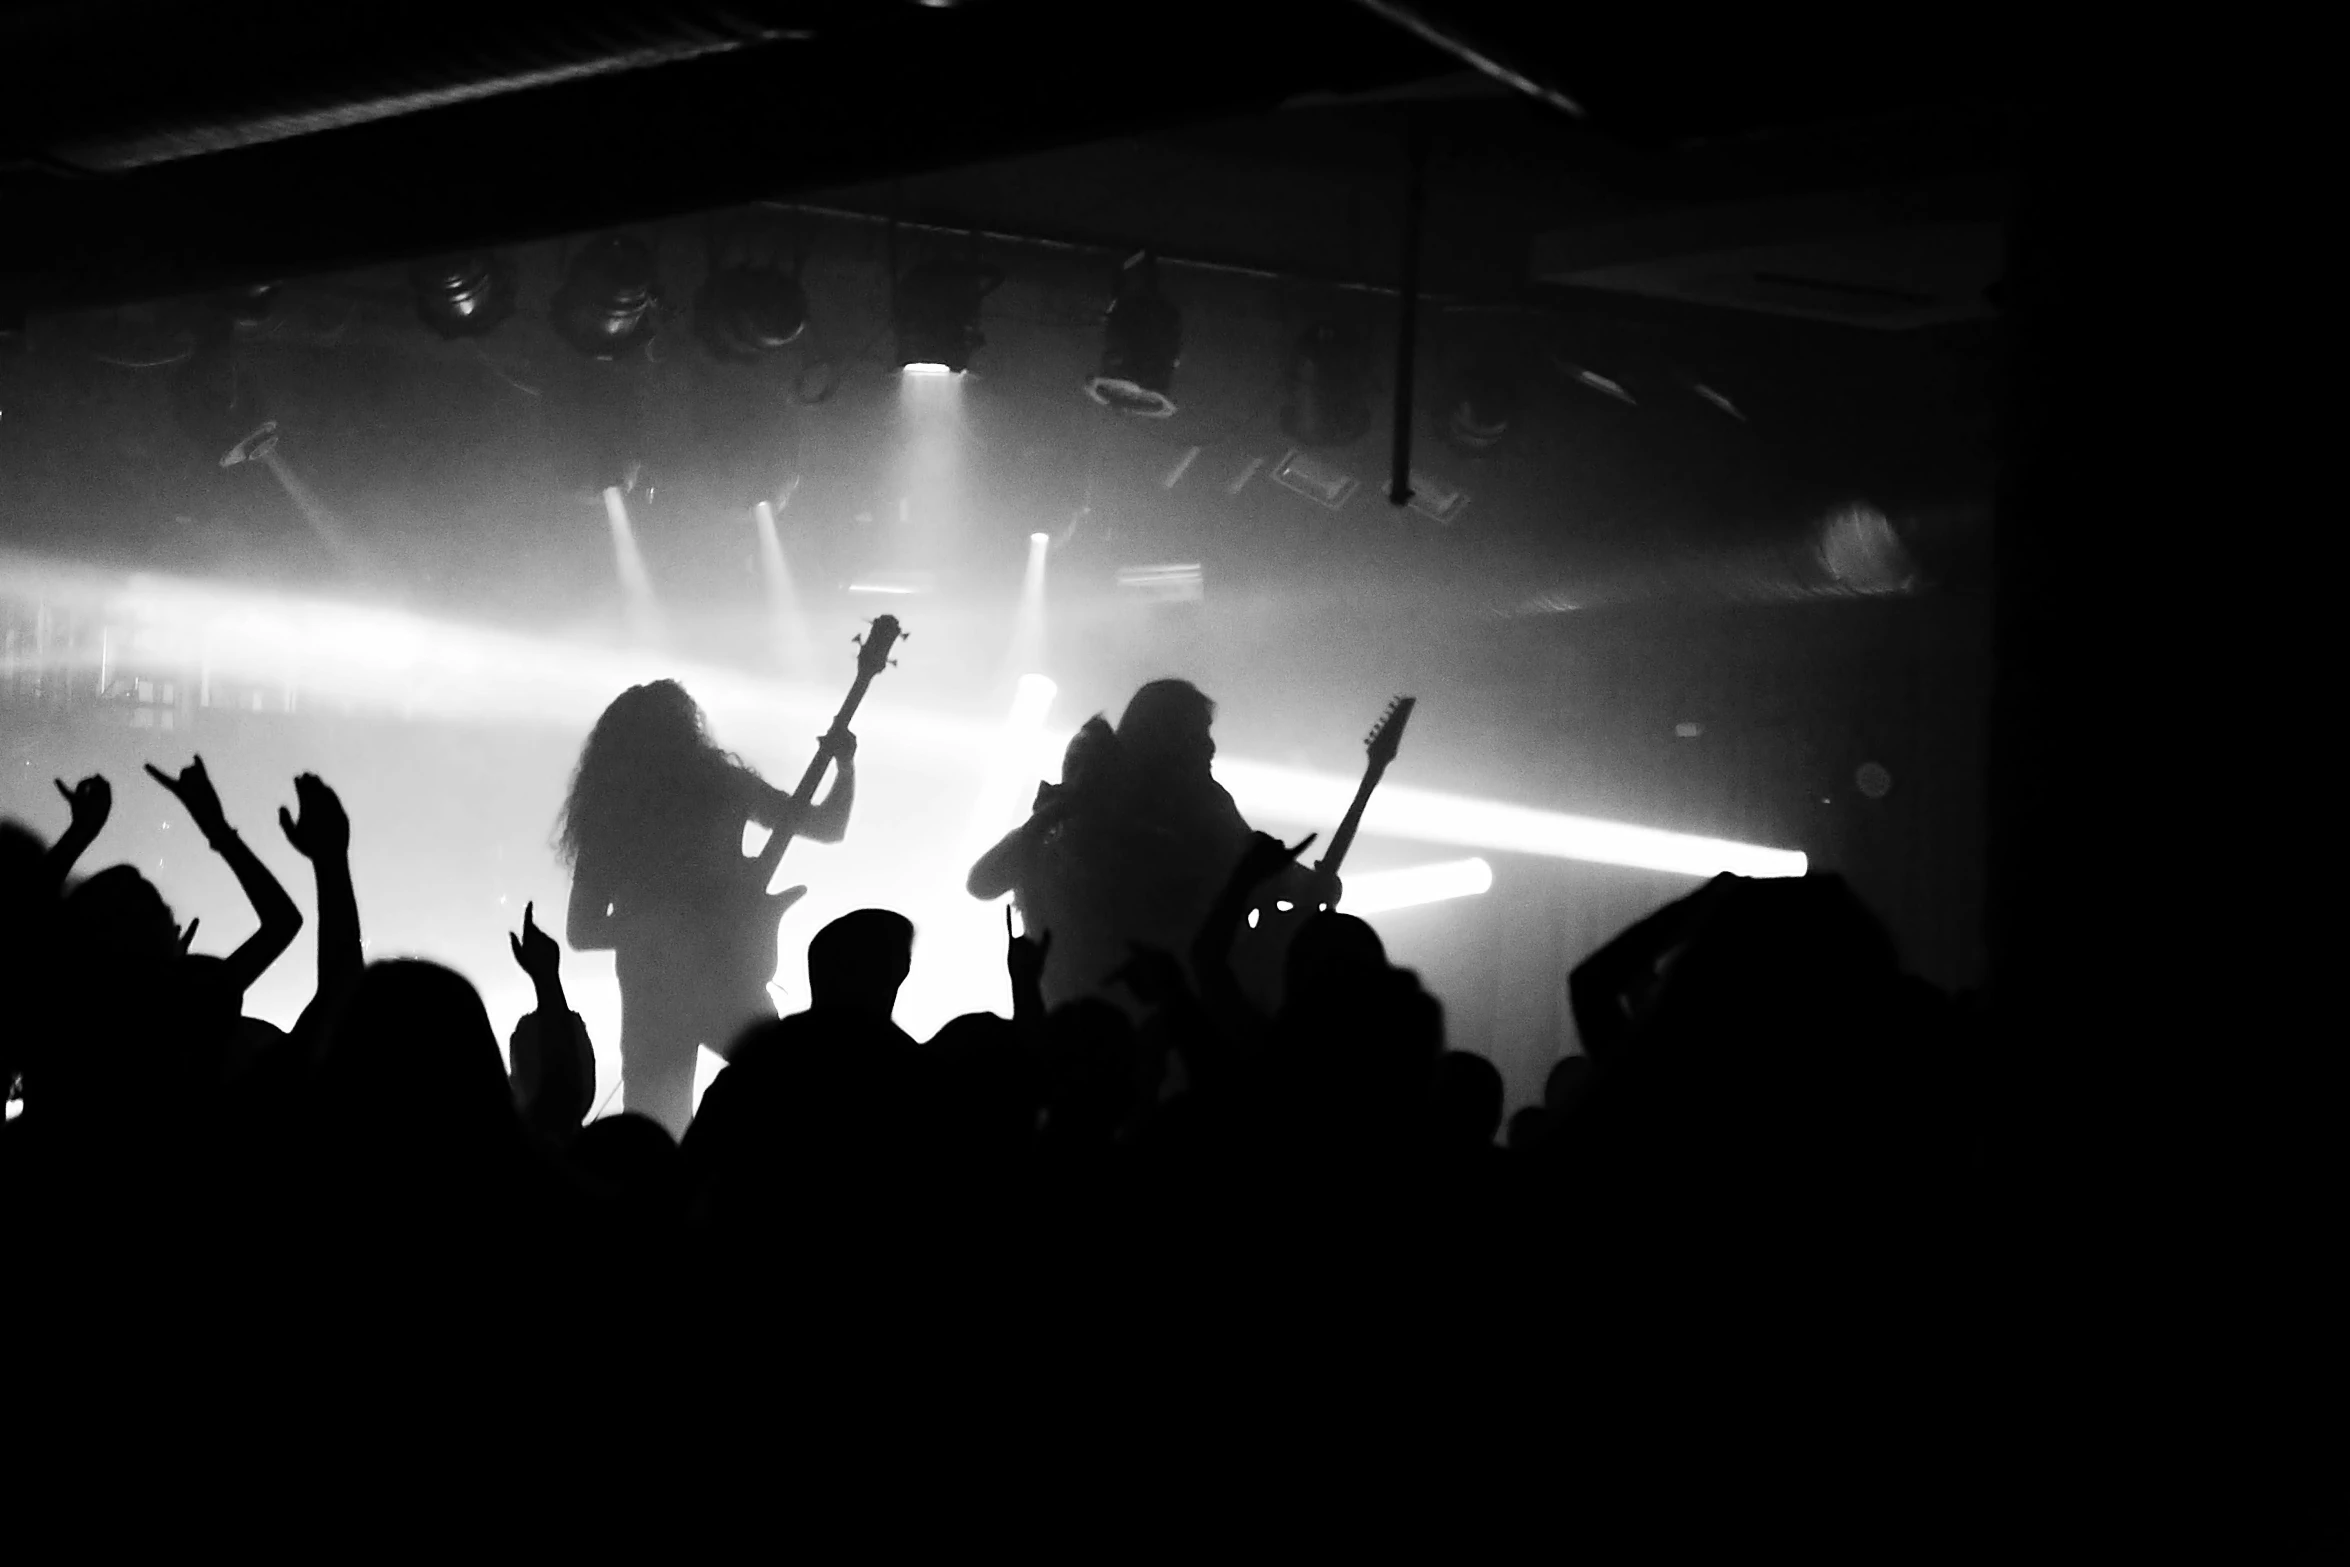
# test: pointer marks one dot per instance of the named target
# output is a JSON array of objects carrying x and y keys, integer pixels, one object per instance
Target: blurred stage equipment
[
  {"x": 605, "y": 306},
  {"x": 741, "y": 313},
  {"x": 1142, "y": 340},
  {"x": 751, "y": 303},
  {"x": 1482, "y": 408},
  {"x": 936, "y": 311},
  {"x": 469, "y": 295},
  {"x": 1329, "y": 388}
]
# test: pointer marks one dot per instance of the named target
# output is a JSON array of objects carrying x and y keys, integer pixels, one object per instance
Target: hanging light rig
[
  {"x": 463, "y": 296},
  {"x": 1407, "y": 325},
  {"x": 751, "y": 303},
  {"x": 935, "y": 310},
  {"x": 1142, "y": 341},
  {"x": 605, "y": 307}
]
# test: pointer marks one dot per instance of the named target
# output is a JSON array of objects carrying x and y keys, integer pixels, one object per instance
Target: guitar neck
[
  {"x": 813, "y": 778},
  {"x": 810, "y": 781},
  {"x": 1343, "y": 839}
]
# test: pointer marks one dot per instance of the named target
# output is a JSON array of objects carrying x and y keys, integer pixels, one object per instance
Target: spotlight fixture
[
  {"x": 605, "y": 306},
  {"x": 464, "y": 296},
  {"x": 1329, "y": 395},
  {"x": 1142, "y": 340},
  {"x": 742, "y": 312},
  {"x": 252, "y": 310},
  {"x": 1482, "y": 409},
  {"x": 937, "y": 315}
]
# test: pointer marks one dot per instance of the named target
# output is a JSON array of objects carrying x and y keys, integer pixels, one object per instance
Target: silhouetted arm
[
  {"x": 281, "y": 922},
  {"x": 826, "y": 821},
  {"x": 323, "y": 835},
  {"x": 554, "y": 1065},
  {"x": 1024, "y": 959},
  {"x": 91, "y": 801},
  {"x": 1602, "y": 987},
  {"x": 1004, "y": 868}
]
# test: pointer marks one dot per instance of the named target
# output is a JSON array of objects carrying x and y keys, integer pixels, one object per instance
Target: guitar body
[
  {"x": 1261, "y": 950},
  {"x": 743, "y": 962}
]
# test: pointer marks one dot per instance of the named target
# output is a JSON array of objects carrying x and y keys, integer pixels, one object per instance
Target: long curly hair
[{"x": 647, "y": 774}]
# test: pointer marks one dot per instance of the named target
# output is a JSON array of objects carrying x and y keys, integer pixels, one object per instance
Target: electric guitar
[
  {"x": 747, "y": 959},
  {"x": 1265, "y": 941},
  {"x": 1381, "y": 744}
]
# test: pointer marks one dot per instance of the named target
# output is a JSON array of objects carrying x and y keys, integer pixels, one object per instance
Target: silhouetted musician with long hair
[
  {"x": 1132, "y": 847},
  {"x": 652, "y": 830}
]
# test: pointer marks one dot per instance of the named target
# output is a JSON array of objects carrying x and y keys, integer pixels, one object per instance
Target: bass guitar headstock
[{"x": 873, "y": 648}]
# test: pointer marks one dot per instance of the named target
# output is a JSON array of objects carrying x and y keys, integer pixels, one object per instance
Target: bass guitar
[
  {"x": 747, "y": 960},
  {"x": 1264, "y": 944}
]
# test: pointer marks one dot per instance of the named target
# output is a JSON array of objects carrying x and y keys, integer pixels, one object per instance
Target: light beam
[
  {"x": 1380, "y": 892},
  {"x": 636, "y": 584}
]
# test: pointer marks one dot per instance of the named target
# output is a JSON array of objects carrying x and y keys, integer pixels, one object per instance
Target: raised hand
[
  {"x": 538, "y": 953},
  {"x": 193, "y": 789},
  {"x": 91, "y": 801},
  {"x": 322, "y": 831},
  {"x": 1024, "y": 956},
  {"x": 840, "y": 745}
]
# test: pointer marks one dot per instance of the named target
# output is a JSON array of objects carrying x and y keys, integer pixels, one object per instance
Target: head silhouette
[
  {"x": 117, "y": 917},
  {"x": 22, "y": 851},
  {"x": 649, "y": 754},
  {"x": 1468, "y": 1100},
  {"x": 1165, "y": 728},
  {"x": 413, "y": 1061},
  {"x": 1090, "y": 755},
  {"x": 857, "y": 963},
  {"x": 1334, "y": 958}
]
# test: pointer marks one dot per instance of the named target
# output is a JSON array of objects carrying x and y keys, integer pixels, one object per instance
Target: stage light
[
  {"x": 1028, "y": 648},
  {"x": 744, "y": 312},
  {"x": 936, "y": 310},
  {"x": 1316, "y": 481},
  {"x": 1382, "y": 892},
  {"x": 644, "y": 614},
  {"x": 1175, "y": 582},
  {"x": 1329, "y": 388},
  {"x": 1142, "y": 340},
  {"x": 1481, "y": 411},
  {"x": 783, "y": 599},
  {"x": 1860, "y": 551},
  {"x": 1287, "y": 795},
  {"x": 464, "y": 296},
  {"x": 605, "y": 306}
]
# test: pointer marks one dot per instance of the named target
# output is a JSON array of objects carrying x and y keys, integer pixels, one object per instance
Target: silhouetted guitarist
[{"x": 653, "y": 830}]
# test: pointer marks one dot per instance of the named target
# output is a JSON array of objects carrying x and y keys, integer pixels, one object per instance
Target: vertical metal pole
[{"x": 1407, "y": 322}]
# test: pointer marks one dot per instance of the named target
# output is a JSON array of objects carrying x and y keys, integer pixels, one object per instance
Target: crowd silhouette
[{"x": 1768, "y": 1138}]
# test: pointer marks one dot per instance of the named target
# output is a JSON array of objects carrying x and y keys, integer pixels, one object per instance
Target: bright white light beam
[
  {"x": 1267, "y": 793},
  {"x": 783, "y": 600},
  {"x": 1004, "y": 789},
  {"x": 1378, "y": 892},
  {"x": 644, "y": 612},
  {"x": 1028, "y": 623}
]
